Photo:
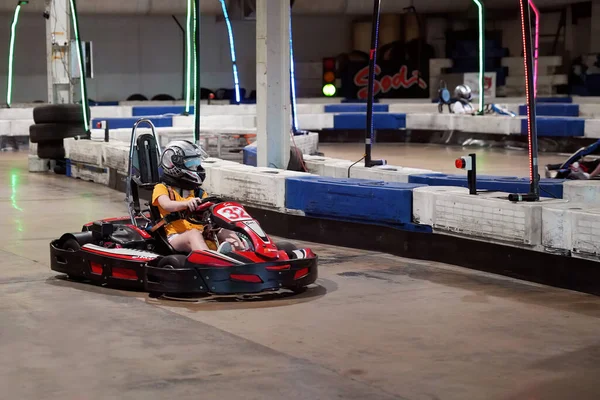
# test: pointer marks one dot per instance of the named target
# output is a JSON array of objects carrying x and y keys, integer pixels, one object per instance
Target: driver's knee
[{"x": 196, "y": 240}]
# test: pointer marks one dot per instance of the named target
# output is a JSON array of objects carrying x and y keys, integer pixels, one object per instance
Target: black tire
[
  {"x": 287, "y": 247},
  {"x": 163, "y": 97},
  {"x": 73, "y": 245},
  {"x": 137, "y": 97},
  {"x": 296, "y": 162},
  {"x": 41, "y": 133},
  {"x": 54, "y": 150},
  {"x": 58, "y": 113},
  {"x": 60, "y": 169},
  {"x": 175, "y": 261}
]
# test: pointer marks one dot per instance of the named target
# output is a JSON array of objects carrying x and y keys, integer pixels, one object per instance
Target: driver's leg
[
  {"x": 225, "y": 235},
  {"x": 191, "y": 240}
]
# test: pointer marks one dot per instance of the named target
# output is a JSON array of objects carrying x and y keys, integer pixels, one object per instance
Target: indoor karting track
[{"x": 375, "y": 326}]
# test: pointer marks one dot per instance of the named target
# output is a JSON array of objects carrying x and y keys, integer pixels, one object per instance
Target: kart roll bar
[{"x": 144, "y": 174}]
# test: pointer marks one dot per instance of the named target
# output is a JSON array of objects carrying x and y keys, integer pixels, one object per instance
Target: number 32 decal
[{"x": 234, "y": 213}]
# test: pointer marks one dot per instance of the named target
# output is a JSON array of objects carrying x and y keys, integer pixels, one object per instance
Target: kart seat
[{"x": 144, "y": 174}]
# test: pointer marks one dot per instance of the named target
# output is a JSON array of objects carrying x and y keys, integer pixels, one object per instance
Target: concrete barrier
[
  {"x": 84, "y": 151},
  {"x": 582, "y": 191},
  {"x": 264, "y": 187},
  {"x": 557, "y": 226},
  {"x": 489, "y": 216}
]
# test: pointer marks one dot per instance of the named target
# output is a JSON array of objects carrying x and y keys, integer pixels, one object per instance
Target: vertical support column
[
  {"x": 273, "y": 118},
  {"x": 595, "y": 31},
  {"x": 197, "y": 83},
  {"x": 58, "y": 40}
]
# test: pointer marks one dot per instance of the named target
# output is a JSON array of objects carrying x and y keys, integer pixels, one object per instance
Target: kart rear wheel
[
  {"x": 175, "y": 261},
  {"x": 73, "y": 245}
]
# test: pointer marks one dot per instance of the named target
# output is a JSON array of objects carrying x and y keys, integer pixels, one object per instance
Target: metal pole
[
  {"x": 293, "y": 81},
  {"x": 372, "y": 62},
  {"x": 84, "y": 95},
  {"x": 197, "y": 88},
  {"x": 534, "y": 189}
]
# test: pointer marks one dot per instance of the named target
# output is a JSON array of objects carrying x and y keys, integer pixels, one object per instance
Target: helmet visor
[{"x": 192, "y": 162}]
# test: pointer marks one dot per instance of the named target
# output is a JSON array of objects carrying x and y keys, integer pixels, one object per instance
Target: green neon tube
[
  {"x": 481, "y": 54},
  {"x": 11, "y": 50},
  {"x": 188, "y": 57},
  {"x": 84, "y": 97},
  {"x": 194, "y": 52}
]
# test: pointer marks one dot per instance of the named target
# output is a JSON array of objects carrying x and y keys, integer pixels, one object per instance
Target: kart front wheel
[{"x": 287, "y": 247}]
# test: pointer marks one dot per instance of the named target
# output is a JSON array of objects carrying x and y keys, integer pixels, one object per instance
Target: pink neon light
[
  {"x": 537, "y": 46},
  {"x": 527, "y": 94}
]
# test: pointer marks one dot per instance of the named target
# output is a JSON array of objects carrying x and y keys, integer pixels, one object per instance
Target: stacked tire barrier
[{"x": 52, "y": 124}]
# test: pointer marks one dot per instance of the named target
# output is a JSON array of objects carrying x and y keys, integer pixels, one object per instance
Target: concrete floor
[{"x": 375, "y": 326}]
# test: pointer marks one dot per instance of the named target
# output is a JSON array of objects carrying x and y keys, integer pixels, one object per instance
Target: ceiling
[{"x": 310, "y": 7}]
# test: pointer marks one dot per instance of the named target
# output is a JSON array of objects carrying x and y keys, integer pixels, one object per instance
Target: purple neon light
[{"x": 537, "y": 46}]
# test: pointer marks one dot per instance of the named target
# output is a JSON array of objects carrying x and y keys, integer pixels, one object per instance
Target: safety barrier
[
  {"x": 376, "y": 202},
  {"x": 565, "y": 119},
  {"x": 488, "y": 216},
  {"x": 551, "y": 225},
  {"x": 549, "y": 187}
]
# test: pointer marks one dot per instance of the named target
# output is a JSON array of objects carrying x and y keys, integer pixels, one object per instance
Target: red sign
[{"x": 387, "y": 82}]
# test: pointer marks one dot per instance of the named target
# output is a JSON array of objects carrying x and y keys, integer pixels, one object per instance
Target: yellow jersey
[{"x": 179, "y": 226}]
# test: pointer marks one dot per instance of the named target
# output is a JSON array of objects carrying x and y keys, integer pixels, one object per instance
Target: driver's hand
[{"x": 192, "y": 204}]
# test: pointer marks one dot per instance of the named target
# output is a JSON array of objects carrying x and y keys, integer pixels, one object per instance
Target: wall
[{"x": 144, "y": 54}]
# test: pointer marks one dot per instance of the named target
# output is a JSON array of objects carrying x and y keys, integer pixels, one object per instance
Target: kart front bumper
[{"x": 240, "y": 279}]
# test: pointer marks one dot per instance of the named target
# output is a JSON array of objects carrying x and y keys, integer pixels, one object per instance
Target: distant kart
[
  {"x": 133, "y": 252},
  {"x": 578, "y": 166}
]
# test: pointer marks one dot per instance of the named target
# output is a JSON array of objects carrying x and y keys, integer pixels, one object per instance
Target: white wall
[{"x": 144, "y": 54}]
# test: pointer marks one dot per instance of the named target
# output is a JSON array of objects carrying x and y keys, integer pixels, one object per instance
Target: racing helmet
[
  {"x": 181, "y": 164},
  {"x": 463, "y": 92}
]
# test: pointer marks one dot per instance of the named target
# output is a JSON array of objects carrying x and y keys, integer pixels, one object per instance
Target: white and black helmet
[
  {"x": 181, "y": 164},
  {"x": 463, "y": 92}
]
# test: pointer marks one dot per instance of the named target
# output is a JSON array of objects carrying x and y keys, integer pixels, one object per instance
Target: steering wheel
[{"x": 205, "y": 204}]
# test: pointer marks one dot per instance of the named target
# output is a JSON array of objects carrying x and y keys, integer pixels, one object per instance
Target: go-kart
[
  {"x": 133, "y": 251},
  {"x": 578, "y": 166}
]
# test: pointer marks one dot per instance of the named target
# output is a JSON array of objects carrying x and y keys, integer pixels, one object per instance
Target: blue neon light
[
  {"x": 293, "y": 78},
  {"x": 236, "y": 81}
]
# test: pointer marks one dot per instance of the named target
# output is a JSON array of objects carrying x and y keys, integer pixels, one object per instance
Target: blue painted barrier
[
  {"x": 354, "y": 108},
  {"x": 552, "y": 110},
  {"x": 117, "y": 123},
  {"x": 149, "y": 111},
  {"x": 249, "y": 155},
  {"x": 359, "y": 200},
  {"x": 359, "y": 121},
  {"x": 509, "y": 184},
  {"x": 554, "y": 100},
  {"x": 559, "y": 126}
]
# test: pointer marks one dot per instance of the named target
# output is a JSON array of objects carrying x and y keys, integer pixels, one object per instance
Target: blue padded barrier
[
  {"x": 149, "y": 111},
  {"x": 358, "y": 100},
  {"x": 249, "y": 155},
  {"x": 554, "y": 100},
  {"x": 509, "y": 184},
  {"x": 359, "y": 121},
  {"x": 103, "y": 103},
  {"x": 358, "y": 200},
  {"x": 557, "y": 126},
  {"x": 552, "y": 110},
  {"x": 117, "y": 123},
  {"x": 354, "y": 108}
]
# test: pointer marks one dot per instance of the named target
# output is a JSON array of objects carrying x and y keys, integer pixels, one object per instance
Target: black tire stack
[{"x": 53, "y": 124}]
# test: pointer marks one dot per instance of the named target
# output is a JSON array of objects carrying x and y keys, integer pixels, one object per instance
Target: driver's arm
[{"x": 172, "y": 206}]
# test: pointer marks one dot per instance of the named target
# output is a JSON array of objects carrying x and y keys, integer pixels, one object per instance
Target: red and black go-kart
[{"x": 133, "y": 252}]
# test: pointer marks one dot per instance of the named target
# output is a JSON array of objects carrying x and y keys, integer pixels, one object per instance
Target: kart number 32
[{"x": 234, "y": 213}]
